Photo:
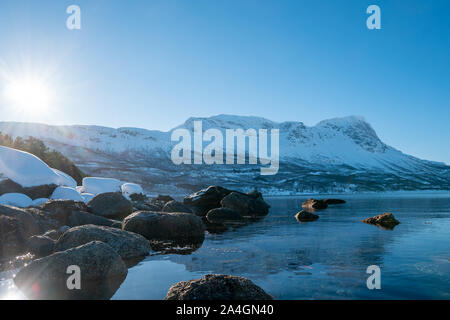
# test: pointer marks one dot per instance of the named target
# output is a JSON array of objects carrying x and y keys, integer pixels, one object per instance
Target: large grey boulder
[
  {"x": 174, "y": 226},
  {"x": 80, "y": 218},
  {"x": 41, "y": 246},
  {"x": 111, "y": 205},
  {"x": 222, "y": 215},
  {"x": 206, "y": 199},
  {"x": 61, "y": 210},
  {"x": 101, "y": 273},
  {"x": 217, "y": 287},
  {"x": 128, "y": 245},
  {"x": 175, "y": 206},
  {"x": 246, "y": 205}
]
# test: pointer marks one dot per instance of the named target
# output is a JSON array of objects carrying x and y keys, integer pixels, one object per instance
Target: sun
[{"x": 28, "y": 94}]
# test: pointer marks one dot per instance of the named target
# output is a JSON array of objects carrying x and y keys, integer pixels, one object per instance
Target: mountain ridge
[{"x": 338, "y": 154}]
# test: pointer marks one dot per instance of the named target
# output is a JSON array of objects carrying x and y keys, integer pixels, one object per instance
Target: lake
[{"x": 324, "y": 259}]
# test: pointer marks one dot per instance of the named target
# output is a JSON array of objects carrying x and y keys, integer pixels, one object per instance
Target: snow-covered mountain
[{"x": 336, "y": 155}]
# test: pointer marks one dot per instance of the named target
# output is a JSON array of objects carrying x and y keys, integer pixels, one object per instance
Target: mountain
[{"x": 336, "y": 155}]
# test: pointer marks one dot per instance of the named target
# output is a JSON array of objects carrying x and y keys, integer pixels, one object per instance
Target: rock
[
  {"x": 246, "y": 205},
  {"x": 110, "y": 205},
  {"x": 220, "y": 215},
  {"x": 175, "y": 206},
  {"x": 43, "y": 191},
  {"x": 12, "y": 242},
  {"x": 174, "y": 226},
  {"x": 53, "y": 234},
  {"x": 41, "y": 246},
  {"x": 334, "y": 201},
  {"x": 385, "y": 221},
  {"x": 29, "y": 226},
  {"x": 61, "y": 210},
  {"x": 306, "y": 216},
  {"x": 206, "y": 199},
  {"x": 101, "y": 269},
  {"x": 128, "y": 245},
  {"x": 80, "y": 218},
  {"x": 163, "y": 198},
  {"x": 255, "y": 194},
  {"x": 314, "y": 204},
  {"x": 144, "y": 206},
  {"x": 217, "y": 287},
  {"x": 9, "y": 186}
]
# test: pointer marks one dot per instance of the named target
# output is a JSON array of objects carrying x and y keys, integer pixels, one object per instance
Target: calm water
[{"x": 325, "y": 259}]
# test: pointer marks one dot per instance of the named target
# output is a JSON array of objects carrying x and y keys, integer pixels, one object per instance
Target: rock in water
[
  {"x": 102, "y": 271},
  {"x": 385, "y": 221},
  {"x": 175, "y": 206},
  {"x": 334, "y": 201},
  {"x": 206, "y": 199},
  {"x": 221, "y": 215},
  {"x": 217, "y": 287},
  {"x": 305, "y": 216},
  {"x": 128, "y": 245},
  {"x": 314, "y": 204},
  {"x": 247, "y": 206},
  {"x": 175, "y": 226},
  {"x": 111, "y": 205}
]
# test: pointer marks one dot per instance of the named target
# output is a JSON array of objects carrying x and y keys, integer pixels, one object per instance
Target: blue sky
[{"x": 154, "y": 63}]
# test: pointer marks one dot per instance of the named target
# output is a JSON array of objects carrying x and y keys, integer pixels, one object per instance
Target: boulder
[
  {"x": 9, "y": 186},
  {"x": 101, "y": 269},
  {"x": 334, "y": 201},
  {"x": 110, "y": 205},
  {"x": 306, "y": 216},
  {"x": 217, "y": 287},
  {"x": 128, "y": 245},
  {"x": 313, "y": 204},
  {"x": 42, "y": 191},
  {"x": 246, "y": 205},
  {"x": 206, "y": 199},
  {"x": 221, "y": 215},
  {"x": 60, "y": 210},
  {"x": 145, "y": 206},
  {"x": 29, "y": 225},
  {"x": 12, "y": 241},
  {"x": 385, "y": 221},
  {"x": 80, "y": 218},
  {"x": 41, "y": 246},
  {"x": 66, "y": 193},
  {"x": 16, "y": 199},
  {"x": 53, "y": 234},
  {"x": 175, "y": 206},
  {"x": 174, "y": 226}
]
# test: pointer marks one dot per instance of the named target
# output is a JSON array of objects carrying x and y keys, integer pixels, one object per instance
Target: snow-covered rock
[
  {"x": 66, "y": 193},
  {"x": 26, "y": 169},
  {"x": 97, "y": 185},
  {"x": 87, "y": 197},
  {"x": 80, "y": 189},
  {"x": 38, "y": 202},
  {"x": 65, "y": 179},
  {"x": 16, "y": 199},
  {"x": 131, "y": 188}
]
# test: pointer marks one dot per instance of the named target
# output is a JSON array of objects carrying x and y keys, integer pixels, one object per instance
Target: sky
[{"x": 154, "y": 63}]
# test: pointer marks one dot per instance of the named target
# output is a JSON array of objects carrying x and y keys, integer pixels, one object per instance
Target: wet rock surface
[
  {"x": 217, "y": 287},
  {"x": 385, "y": 221},
  {"x": 306, "y": 216}
]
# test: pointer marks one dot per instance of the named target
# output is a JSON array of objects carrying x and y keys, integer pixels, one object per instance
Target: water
[{"x": 325, "y": 259}]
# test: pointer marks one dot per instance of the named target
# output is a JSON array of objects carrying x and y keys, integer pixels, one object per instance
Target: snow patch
[
  {"x": 131, "y": 188},
  {"x": 95, "y": 185},
  {"x": 66, "y": 193},
  {"x": 16, "y": 199}
]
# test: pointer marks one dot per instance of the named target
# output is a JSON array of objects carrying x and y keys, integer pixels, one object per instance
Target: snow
[
  {"x": 25, "y": 168},
  {"x": 66, "y": 193},
  {"x": 65, "y": 179},
  {"x": 96, "y": 185},
  {"x": 87, "y": 197},
  {"x": 131, "y": 188},
  {"x": 38, "y": 202},
  {"x": 16, "y": 199}
]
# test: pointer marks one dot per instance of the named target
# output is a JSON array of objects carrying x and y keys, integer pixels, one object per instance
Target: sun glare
[{"x": 31, "y": 95}]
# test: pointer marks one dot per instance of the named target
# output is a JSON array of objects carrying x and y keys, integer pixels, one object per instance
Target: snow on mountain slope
[{"x": 339, "y": 154}]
